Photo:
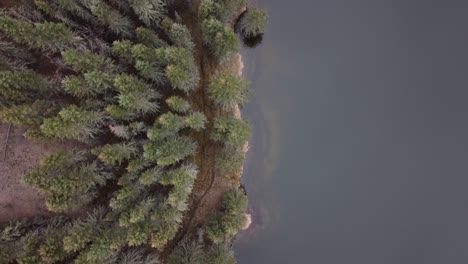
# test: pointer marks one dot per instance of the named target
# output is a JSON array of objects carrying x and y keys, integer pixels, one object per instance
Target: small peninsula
[{"x": 123, "y": 137}]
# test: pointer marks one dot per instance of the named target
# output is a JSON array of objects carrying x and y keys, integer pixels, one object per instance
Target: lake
[{"x": 360, "y": 147}]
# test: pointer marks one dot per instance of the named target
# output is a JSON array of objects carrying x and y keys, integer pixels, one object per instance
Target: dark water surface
[{"x": 360, "y": 153}]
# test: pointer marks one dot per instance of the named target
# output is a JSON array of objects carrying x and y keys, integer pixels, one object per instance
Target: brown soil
[{"x": 16, "y": 199}]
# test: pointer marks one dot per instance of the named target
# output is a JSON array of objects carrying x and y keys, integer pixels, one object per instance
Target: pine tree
[
  {"x": 67, "y": 179},
  {"x": 149, "y": 11},
  {"x": 228, "y": 90},
  {"x": 150, "y": 176},
  {"x": 221, "y": 39},
  {"x": 21, "y": 86},
  {"x": 27, "y": 115},
  {"x": 47, "y": 36},
  {"x": 178, "y": 104},
  {"x": 220, "y": 254},
  {"x": 73, "y": 122},
  {"x": 107, "y": 16},
  {"x": 179, "y": 34},
  {"x": 230, "y": 160},
  {"x": 231, "y": 131},
  {"x": 84, "y": 230},
  {"x": 86, "y": 61},
  {"x": 187, "y": 252},
  {"x": 91, "y": 83},
  {"x": 253, "y": 22},
  {"x": 116, "y": 153},
  {"x": 135, "y": 95},
  {"x": 149, "y": 38},
  {"x": 181, "y": 69},
  {"x": 170, "y": 150},
  {"x": 195, "y": 121}
]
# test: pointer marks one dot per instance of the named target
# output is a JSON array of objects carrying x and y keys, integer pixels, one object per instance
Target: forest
[{"x": 146, "y": 92}]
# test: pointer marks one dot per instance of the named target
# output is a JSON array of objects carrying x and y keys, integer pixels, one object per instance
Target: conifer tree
[
  {"x": 178, "y": 104},
  {"x": 107, "y": 16},
  {"x": 47, "y": 36},
  {"x": 220, "y": 254},
  {"x": 230, "y": 160},
  {"x": 149, "y": 11},
  {"x": 149, "y": 38},
  {"x": 27, "y": 115},
  {"x": 179, "y": 34},
  {"x": 231, "y": 131},
  {"x": 135, "y": 95},
  {"x": 116, "y": 153},
  {"x": 221, "y": 39},
  {"x": 228, "y": 90},
  {"x": 68, "y": 180},
  {"x": 73, "y": 122},
  {"x": 21, "y": 86},
  {"x": 187, "y": 252},
  {"x": 170, "y": 150},
  {"x": 253, "y": 22}
]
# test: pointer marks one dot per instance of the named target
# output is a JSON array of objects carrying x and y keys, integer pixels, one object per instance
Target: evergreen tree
[
  {"x": 187, "y": 252},
  {"x": 253, "y": 22},
  {"x": 181, "y": 69},
  {"x": 220, "y": 254},
  {"x": 179, "y": 34},
  {"x": 178, "y": 104},
  {"x": 107, "y": 16},
  {"x": 149, "y": 38},
  {"x": 170, "y": 150},
  {"x": 135, "y": 95},
  {"x": 27, "y": 115},
  {"x": 231, "y": 131},
  {"x": 149, "y": 11},
  {"x": 228, "y": 90},
  {"x": 195, "y": 121},
  {"x": 221, "y": 39},
  {"x": 230, "y": 160},
  {"x": 86, "y": 61},
  {"x": 47, "y": 36},
  {"x": 84, "y": 230},
  {"x": 73, "y": 123},
  {"x": 21, "y": 86},
  {"x": 116, "y": 153},
  {"x": 68, "y": 180}
]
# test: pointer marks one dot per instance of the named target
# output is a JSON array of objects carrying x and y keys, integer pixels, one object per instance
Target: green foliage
[
  {"x": 68, "y": 180},
  {"x": 116, "y": 153},
  {"x": 223, "y": 226},
  {"x": 73, "y": 122},
  {"x": 107, "y": 16},
  {"x": 179, "y": 34},
  {"x": 149, "y": 38},
  {"x": 178, "y": 104},
  {"x": 149, "y": 11},
  {"x": 123, "y": 49},
  {"x": 136, "y": 256},
  {"x": 187, "y": 252},
  {"x": 221, "y": 39},
  {"x": 212, "y": 8},
  {"x": 86, "y": 61},
  {"x": 90, "y": 83},
  {"x": 170, "y": 150},
  {"x": 228, "y": 90},
  {"x": 26, "y": 115},
  {"x": 181, "y": 69},
  {"x": 230, "y": 160},
  {"x": 84, "y": 230},
  {"x": 220, "y": 254},
  {"x": 195, "y": 121},
  {"x": 231, "y": 131},
  {"x": 130, "y": 131},
  {"x": 150, "y": 176},
  {"x": 21, "y": 86},
  {"x": 215, "y": 228},
  {"x": 45, "y": 36},
  {"x": 253, "y": 22},
  {"x": 150, "y": 71},
  {"x": 135, "y": 95}
]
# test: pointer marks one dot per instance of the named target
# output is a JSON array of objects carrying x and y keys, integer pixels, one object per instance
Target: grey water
[{"x": 360, "y": 147}]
